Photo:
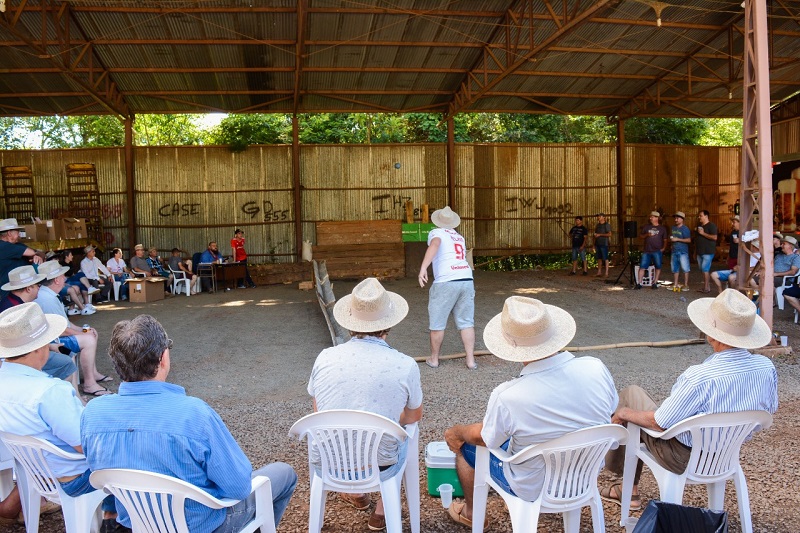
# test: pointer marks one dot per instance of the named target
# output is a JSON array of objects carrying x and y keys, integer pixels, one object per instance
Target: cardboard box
[
  {"x": 143, "y": 290},
  {"x": 441, "y": 465},
  {"x": 33, "y": 232},
  {"x": 55, "y": 229},
  {"x": 75, "y": 228}
]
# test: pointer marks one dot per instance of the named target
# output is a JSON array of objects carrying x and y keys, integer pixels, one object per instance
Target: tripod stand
[{"x": 628, "y": 263}]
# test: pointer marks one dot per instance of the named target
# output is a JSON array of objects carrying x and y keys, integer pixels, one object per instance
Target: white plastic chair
[
  {"x": 787, "y": 282},
  {"x": 155, "y": 502},
  {"x": 179, "y": 277},
  {"x": 572, "y": 463},
  {"x": 348, "y": 447},
  {"x": 716, "y": 442},
  {"x": 35, "y": 479},
  {"x": 6, "y": 472}
]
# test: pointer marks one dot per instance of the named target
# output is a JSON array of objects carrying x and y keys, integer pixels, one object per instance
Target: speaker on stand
[{"x": 629, "y": 231}]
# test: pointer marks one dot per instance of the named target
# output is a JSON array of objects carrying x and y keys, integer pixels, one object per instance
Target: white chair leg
[
  {"x": 572, "y": 521},
  {"x": 716, "y": 495},
  {"x": 524, "y": 516},
  {"x": 598, "y": 518},
  {"x": 117, "y": 285},
  {"x": 31, "y": 501},
  {"x": 390, "y": 494},
  {"x": 629, "y": 471},
  {"x": 672, "y": 488},
  {"x": 411, "y": 481},
  {"x": 480, "y": 491},
  {"x": 743, "y": 499},
  {"x": 316, "y": 511}
]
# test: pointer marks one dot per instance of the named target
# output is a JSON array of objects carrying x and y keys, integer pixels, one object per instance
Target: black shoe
[
  {"x": 585, "y": 273},
  {"x": 654, "y": 286},
  {"x": 110, "y": 525},
  {"x": 637, "y": 287},
  {"x": 572, "y": 273}
]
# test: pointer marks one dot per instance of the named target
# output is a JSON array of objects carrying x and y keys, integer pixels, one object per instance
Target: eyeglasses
[{"x": 169, "y": 344}]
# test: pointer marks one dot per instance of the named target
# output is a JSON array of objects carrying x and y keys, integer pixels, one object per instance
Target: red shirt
[{"x": 238, "y": 245}]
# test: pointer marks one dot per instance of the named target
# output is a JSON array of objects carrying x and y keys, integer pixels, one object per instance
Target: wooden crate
[
  {"x": 361, "y": 249},
  {"x": 359, "y": 232}
]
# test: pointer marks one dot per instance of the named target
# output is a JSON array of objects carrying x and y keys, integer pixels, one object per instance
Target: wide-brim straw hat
[
  {"x": 370, "y": 308},
  {"x": 22, "y": 277},
  {"x": 680, "y": 214},
  {"x": 791, "y": 240},
  {"x": 52, "y": 269},
  {"x": 89, "y": 248},
  {"x": 731, "y": 319},
  {"x": 138, "y": 247},
  {"x": 656, "y": 214},
  {"x": 528, "y": 330},
  {"x": 446, "y": 218},
  {"x": 8, "y": 224},
  {"x": 24, "y": 328}
]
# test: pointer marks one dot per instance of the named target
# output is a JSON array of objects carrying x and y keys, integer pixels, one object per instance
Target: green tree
[
  {"x": 723, "y": 132},
  {"x": 665, "y": 130},
  {"x": 240, "y": 131},
  {"x": 166, "y": 130}
]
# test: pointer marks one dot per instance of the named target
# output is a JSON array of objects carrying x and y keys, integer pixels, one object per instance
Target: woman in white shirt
[{"x": 119, "y": 269}]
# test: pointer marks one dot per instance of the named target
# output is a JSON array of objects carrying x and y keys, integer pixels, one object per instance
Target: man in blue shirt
[
  {"x": 153, "y": 425},
  {"x": 680, "y": 238},
  {"x": 12, "y": 252}
]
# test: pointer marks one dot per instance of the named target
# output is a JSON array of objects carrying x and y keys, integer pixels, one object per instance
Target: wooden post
[
  {"x": 297, "y": 191},
  {"x": 409, "y": 212},
  {"x": 130, "y": 181},
  {"x": 425, "y": 216},
  {"x": 621, "y": 187},
  {"x": 451, "y": 164}
]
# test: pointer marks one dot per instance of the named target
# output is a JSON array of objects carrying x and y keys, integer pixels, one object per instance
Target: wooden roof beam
[{"x": 302, "y": 13}]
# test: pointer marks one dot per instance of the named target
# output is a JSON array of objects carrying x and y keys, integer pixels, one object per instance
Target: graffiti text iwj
[{"x": 516, "y": 203}]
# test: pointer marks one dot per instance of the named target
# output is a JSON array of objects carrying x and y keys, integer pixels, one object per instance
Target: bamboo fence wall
[{"x": 510, "y": 197}]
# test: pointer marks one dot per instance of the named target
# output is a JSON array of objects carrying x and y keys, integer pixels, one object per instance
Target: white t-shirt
[{"x": 450, "y": 262}]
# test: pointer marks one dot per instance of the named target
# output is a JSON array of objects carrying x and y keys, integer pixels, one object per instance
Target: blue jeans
[
  {"x": 495, "y": 465},
  {"x": 282, "y": 479},
  {"x": 680, "y": 262},
  {"x": 579, "y": 252},
  {"x": 80, "y": 486},
  {"x": 705, "y": 262},
  {"x": 651, "y": 258}
]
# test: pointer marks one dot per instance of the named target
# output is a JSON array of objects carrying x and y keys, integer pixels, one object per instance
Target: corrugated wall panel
[{"x": 786, "y": 138}]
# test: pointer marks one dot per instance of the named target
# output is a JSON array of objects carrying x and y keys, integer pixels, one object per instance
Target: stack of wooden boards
[{"x": 359, "y": 249}]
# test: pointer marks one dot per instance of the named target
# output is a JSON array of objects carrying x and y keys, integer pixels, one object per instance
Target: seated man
[
  {"x": 12, "y": 252},
  {"x": 210, "y": 255},
  {"x": 529, "y": 409},
  {"x": 388, "y": 381},
  {"x": 787, "y": 263},
  {"x": 92, "y": 268},
  {"x": 23, "y": 287},
  {"x": 32, "y": 403},
  {"x": 721, "y": 276},
  {"x": 153, "y": 425},
  {"x": 75, "y": 338},
  {"x": 731, "y": 379},
  {"x": 177, "y": 264},
  {"x": 139, "y": 265}
]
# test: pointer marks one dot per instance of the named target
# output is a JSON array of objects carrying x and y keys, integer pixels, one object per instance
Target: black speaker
[{"x": 630, "y": 229}]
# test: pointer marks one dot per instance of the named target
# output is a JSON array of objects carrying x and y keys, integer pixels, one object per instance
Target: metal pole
[
  {"x": 130, "y": 181},
  {"x": 297, "y": 192},
  {"x": 621, "y": 186}
]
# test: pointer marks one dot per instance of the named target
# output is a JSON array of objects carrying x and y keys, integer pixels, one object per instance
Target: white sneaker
[
  {"x": 93, "y": 290},
  {"x": 88, "y": 310},
  {"x": 74, "y": 311}
]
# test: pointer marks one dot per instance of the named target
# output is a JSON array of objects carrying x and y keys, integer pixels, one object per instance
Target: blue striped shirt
[
  {"x": 155, "y": 426},
  {"x": 728, "y": 381}
]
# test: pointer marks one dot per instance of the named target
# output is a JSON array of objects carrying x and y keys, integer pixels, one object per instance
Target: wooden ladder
[
  {"x": 84, "y": 198},
  {"x": 20, "y": 197}
]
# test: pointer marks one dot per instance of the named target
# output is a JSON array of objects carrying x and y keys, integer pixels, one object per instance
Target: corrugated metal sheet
[
  {"x": 510, "y": 197},
  {"x": 786, "y": 138}
]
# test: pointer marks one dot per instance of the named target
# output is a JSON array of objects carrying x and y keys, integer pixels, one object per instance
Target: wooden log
[
  {"x": 409, "y": 212},
  {"x": 425, "y": 216}
]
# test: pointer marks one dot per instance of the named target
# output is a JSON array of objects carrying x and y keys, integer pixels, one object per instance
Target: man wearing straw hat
[
  {"x": 12, "y": 252},
  {"x": 77, "y": 339},
  {"x": 655, "y": 240},
  {"x": 452, "y": 290},
  {"x": 556, "y": 393},
  {"x": 32, "y": 403},
  {"x": 23, "y": 287},
  {"x": 730, "y": 380},
  {"x": 367, "y": 374}
]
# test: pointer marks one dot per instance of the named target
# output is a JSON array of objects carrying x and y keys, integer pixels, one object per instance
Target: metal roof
[{"x": 598, "y": 57}]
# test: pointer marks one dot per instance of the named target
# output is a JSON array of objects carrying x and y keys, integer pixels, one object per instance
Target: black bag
[{"x": 663, "y": 517}]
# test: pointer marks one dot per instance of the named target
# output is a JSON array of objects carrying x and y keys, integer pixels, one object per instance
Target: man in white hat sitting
[
  {"x": 731, "y": 379},
  {"x": 76, "y": 338},
  {"x": 452, "y": 290},
  {"x": 556, "y": 393},
  {"x": 32, "y": 403},
  {"x": 12, "y": 252},
  {"x": 367, "y": 374},
  {"x": 92, "y": 268},
  {"x": 23, "y": 287}
]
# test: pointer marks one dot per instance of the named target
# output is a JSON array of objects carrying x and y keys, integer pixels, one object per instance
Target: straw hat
[
  {"x": 138, "y": 247},
  {"x": 445, "y": 218},
  {"x": 370, "y": 308},
  {"x": 52, "y": 269},
  {"x": 680, "y": 214},
  {"x": 791, "y": 240},
  {"x": 9, "y": 224},
  {"x": 89, "y": 248},
  {"x": 656, "y": 214},
  {"x": 528, "y": 330},
  {"x": 22, "y": 277},
  {"x": 24, "y": 328},
  {"x": 731, "y": 319}
]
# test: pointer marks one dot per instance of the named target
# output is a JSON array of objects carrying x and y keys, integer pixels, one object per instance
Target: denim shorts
[
  {"x": 705, "y": 262},
  {"x": 59, "y": 365},
  {"x": 495, "y": 465},
  {"x": 457, "y": 297},
  {"x": 578, "y": 252},
  {"x": 724, "y": 275},
  {"x": 651, "y": 258},
  {"x": 601, "y": 253},
  {"x": 80, "y": 486},
  {"x": 70, "y": 342},
  {"x": 680, "y": 262}
]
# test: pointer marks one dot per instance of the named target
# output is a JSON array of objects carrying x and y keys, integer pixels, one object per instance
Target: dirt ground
[{"x": 249, "y": 353}]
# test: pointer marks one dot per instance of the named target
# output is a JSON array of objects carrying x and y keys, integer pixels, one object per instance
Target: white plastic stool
[{"x": 649, "y": 275}]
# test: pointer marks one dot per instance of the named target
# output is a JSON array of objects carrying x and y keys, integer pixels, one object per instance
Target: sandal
[
  {"x": 359, "y": 502},
  {"x": 613, "y": 494},
  {"x": 455, "y": 510},
  {"x": 428, "y": 362},
  {"x": 102, "y": 391},
  {"x": 105, "y": 379}
]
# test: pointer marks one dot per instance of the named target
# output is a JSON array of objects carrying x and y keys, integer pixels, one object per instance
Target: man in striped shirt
[{"x": 732, "y": 379}]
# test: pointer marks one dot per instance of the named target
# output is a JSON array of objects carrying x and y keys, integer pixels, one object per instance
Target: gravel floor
[{"x": 248, "y": 353}]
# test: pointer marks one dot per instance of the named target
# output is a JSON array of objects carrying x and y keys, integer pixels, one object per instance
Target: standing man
[
  {"x": 367, "y": 374},
  {"x": 239, "y": 255},
  {"x": 655, "y": 240},
  {"x": 733, "y": 252},
  {"x": 12, "y": 252},
  {"x": 731, "y": 379},
  {"x": 680, "y": 238},
  {"x": 452, "y": 289},
  {"x": 532, "y": 408},
  {"x": 139, "y": 265},
  {"x": 577, "y": 235},
  {"x": 154, "y": 426},
  {"x": 602, "y": 239},
  {"x": 705, "y": 246}
]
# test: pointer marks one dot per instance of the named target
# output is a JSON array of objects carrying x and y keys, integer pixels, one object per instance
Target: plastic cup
[
  {"x": 446, "y": 493},
  {"x": 784, "y": 340}
]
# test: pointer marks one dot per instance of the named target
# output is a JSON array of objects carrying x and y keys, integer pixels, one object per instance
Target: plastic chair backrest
[
  {"x": 30, "y": 453},
  {"x": 572, "y": 462},
  {"x": 348, "y": 444}
]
